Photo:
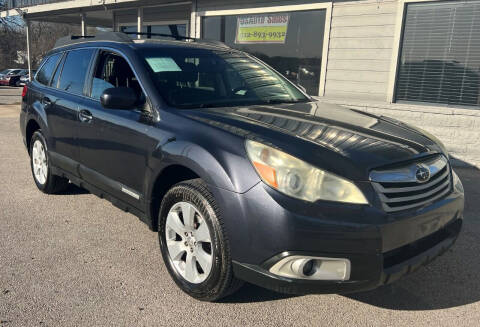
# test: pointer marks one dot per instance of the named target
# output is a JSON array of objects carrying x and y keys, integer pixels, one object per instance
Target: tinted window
[
  {"x": 132, "y": 29},
  {"x": 440, "y": 58},
  {"x": 290, "y": 42},
  {"x": 200, "y": 79},
  {"x": 75, "y": 70},
  {"x": 171, "y": 29},
  {"x": 54, "y": 82},
  {"x": 45, "y": 73}
]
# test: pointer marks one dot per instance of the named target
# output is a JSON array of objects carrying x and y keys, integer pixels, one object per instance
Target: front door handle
[{"x": 85, "y": 116}]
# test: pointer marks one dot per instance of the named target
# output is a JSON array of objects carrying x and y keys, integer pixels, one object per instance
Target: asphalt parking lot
[
  {"x": 75, "y": 260},
  {"x": 10, "y": 95}
]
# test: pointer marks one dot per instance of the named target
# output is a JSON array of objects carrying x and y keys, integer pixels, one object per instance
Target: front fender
[
  {"x": 228, "y": 175},
  {"x": 200, "y": 161},
  {"x": 224, "y": 170}
]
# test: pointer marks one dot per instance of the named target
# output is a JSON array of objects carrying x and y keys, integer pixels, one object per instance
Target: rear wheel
[
  {"x": 193, "y": 243},
  {"x": 45, "y": 180}
]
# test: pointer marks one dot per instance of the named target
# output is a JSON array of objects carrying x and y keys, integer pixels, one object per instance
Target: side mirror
[{"x": 122, "y": 98}]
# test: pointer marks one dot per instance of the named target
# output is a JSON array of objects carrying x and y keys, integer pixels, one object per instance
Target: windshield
[{"x": 197, "y": 78}]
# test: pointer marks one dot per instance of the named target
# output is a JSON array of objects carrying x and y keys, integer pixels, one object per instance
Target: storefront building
[{"x": 414, "y": 60}]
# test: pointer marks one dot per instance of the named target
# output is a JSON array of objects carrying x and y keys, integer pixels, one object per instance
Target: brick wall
[{"x": 458, "y": 129}]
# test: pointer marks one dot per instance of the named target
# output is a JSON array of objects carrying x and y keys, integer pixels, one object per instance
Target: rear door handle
[
  {"x": 46, "y": 101},
  {"x": 85, "y": 116}
]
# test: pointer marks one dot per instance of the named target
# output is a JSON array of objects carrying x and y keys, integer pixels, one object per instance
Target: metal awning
[{"x": 97, "y": 13}]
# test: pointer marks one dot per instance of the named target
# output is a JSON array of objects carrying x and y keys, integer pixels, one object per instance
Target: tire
[
  {"x": 42, "y": 174},
  {"x": 17, "y": 83},
  {"x": 206, "y": 282}
]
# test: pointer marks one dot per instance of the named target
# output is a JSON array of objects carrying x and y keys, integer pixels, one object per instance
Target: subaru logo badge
[{"x": 422, "y": 174}]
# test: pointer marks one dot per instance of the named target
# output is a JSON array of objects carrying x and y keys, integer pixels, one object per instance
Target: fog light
[
  {"x": 308, "y": 268},
  {"x": 318, "y": 268}
]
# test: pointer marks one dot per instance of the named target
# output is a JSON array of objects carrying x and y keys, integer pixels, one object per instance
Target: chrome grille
[{"x": 399, "y": 189}]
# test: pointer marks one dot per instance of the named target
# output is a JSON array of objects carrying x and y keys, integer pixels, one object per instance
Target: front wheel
[
  {"x": 193, "y": 243},
  {"x": 45, "y": 180}
]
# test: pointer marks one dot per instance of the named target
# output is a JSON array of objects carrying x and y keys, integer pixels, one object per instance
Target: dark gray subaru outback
[{"x": 244, "y": 176}]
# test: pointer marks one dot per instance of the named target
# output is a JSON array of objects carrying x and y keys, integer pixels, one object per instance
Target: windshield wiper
[
  {"x": 201, "y": 105},
  {"x": 234, "y": 104},
  {"x": 278, "y": 101}
]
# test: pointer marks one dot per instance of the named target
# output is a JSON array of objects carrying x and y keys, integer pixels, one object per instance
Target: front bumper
[
  {"x": 378, "y": 269},
  {"x": 381, "y": 247}
]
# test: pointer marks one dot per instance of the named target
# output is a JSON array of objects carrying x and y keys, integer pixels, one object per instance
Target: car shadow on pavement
[
  {"x": 449, "y": 281},
  {"x": 251, "y": 293},
  {"x": 73, "y": 189}
]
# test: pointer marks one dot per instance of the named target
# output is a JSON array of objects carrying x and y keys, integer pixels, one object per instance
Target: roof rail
[
  {"x": 123, "y": 37},
  {"x": 212, "y": 42},
  {"x": 105, "y": 36}
]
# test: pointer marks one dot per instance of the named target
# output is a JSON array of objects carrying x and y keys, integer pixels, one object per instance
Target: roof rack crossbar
[{"x": 78, "y": 37}]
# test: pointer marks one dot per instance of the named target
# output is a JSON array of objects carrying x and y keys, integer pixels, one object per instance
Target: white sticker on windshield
[{"x": 163, "y": 64}]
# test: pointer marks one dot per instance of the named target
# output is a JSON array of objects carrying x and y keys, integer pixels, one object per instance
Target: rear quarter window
[{"x": 45, "y": 73}]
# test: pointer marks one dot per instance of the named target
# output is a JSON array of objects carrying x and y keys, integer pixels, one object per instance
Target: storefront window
[
  {"x": 290, "y": 42},
  {"x": 132, "y": 29},
  {"x": 440, "y": 54},
  {"x": 170, "y": 29}
]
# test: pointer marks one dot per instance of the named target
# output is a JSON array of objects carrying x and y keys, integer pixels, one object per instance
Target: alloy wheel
[
  {"x": 189, "y": 242},
  {"x": 39, "y": 159}
]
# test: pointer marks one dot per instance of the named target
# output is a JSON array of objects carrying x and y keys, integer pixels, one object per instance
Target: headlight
[
  {"x": 299, "y": 179},
  {"x": 457, "y": 182}
]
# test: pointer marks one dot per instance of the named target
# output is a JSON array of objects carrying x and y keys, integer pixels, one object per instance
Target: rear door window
[
  {"x": 75, "y": 70},
  {"x": 45, "y": 73}
]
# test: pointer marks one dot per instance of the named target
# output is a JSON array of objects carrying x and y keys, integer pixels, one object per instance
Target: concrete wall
[{"x": 361, "y": 42}]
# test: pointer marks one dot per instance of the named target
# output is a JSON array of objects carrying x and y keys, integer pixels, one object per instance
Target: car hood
[{"x": 341, "y": 140}]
